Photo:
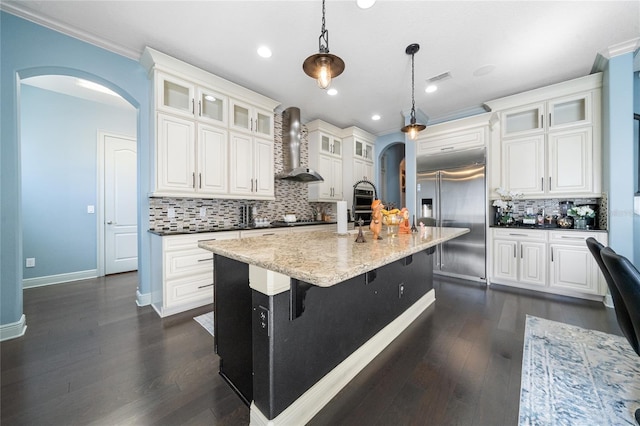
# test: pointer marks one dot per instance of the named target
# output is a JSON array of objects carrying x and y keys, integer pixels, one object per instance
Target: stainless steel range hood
[{"x": 291, "y": 141}]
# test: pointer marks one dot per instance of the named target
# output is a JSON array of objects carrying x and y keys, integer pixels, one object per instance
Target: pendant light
[
  {"x": 413, "y": 128},
  {"x": 323, "y": 66}
]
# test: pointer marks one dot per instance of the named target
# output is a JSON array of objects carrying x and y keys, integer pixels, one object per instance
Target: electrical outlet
[
  {"x": 91, "y": 209},
  {"x": 400, "y": 290},
  {"x": 203, "y": 212},
  {"x": 30, "y": 262},
  {"x": 171, "y": 212}
]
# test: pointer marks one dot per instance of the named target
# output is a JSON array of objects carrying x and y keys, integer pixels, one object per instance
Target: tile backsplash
[{"x": 222, "y": 213}]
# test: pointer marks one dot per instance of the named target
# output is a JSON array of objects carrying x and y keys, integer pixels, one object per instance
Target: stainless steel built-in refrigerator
[{"x": 451, "y": 192}]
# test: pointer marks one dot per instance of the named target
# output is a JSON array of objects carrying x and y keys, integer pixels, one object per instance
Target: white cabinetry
[
  {"x": 181, "y": 272},
  {"x": 194, "y": 112},
  {"x": 191, "y": 158},
  {"x": 325, "y": 155},
  {"x": 550, "y": 140},
  {"x": 547, "y": 260},
  {"x": 252, "y": 168},
  {"x": 359, "y": 161},
  {"x": 520, "y": 256},
  {"x": 251, "y": 119},
  {"x": 573, "y": 267}
]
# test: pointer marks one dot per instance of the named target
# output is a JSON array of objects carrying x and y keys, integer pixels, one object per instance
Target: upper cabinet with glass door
[
  {"x": 248, "y": 118},
  {"x": 555, "y": 114},
  {"x": 188, "y": 99},
  {"x": 363, "y": 150}
]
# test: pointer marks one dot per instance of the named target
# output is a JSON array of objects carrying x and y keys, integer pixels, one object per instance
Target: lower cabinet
[
  {"x": 182, "y": 272},
  {"x": 551, "y": 261},
  {"x": 520, "y": 256},
  {"x": 573, "y": 267}
]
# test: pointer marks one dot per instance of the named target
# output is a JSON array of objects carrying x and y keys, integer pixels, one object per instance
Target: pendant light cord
[
  {"x": 413, "y": 89},
  {"x": 324, "y": 34}
]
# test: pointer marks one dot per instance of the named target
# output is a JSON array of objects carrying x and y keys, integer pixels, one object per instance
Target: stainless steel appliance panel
[
  {"x": 462, "y": 205},
  {"x": 456, "y": 196}
]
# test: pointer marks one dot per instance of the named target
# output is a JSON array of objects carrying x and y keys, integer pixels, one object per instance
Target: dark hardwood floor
[{"x": 91, "y": 356}]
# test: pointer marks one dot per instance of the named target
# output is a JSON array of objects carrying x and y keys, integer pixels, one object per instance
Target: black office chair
[
  {"x": 627, "y": 280},
  {"x": 622, "y": 314}
]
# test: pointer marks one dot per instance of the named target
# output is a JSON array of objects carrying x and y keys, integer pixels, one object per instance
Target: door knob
[{"x": 109, "y": 223}]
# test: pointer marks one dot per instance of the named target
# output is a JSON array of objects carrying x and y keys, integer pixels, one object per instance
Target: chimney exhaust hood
[{"x": 291, "y": 141}]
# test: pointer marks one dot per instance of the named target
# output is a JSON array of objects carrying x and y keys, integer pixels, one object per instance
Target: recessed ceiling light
[
  {"x": 375, "y": 117},
  {"x": 332, "y": 92},
  {"x": 264, "y": 52},
  {"x": 365, "y": 4},
  {"x": 431, "y": 88}
]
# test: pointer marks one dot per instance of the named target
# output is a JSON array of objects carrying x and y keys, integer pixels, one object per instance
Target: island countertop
[{"x": 324, "y": 258}]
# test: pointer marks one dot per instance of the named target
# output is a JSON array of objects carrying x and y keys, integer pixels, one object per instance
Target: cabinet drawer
[
  {"x": 181, "y": 242},
  {"x": 188, "y": 262},
  {"x": 521, "y": 234},
  {"x": 190, "y": 289},
  {"x": 577, "y": 238}
]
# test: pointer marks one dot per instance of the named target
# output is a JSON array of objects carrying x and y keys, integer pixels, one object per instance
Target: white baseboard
[
  {"x": 143, "y": 299},
  {"x": 311, "y": 402},
  {"x": 59, "y": 279},
  {"x": 14, "y": 329}
]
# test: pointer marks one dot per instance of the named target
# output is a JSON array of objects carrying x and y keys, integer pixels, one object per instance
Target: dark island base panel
[{"x": 300, "y": 335}]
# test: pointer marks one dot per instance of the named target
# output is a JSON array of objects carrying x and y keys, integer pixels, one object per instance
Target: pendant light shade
[
  {"x": 413, "y": 128},
  {"x": 323, "y": 66}
]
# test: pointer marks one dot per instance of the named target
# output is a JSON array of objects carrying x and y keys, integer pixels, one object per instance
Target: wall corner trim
[
  {"x": 14, "y": 329},
  {"x": 143, "y": 299}
]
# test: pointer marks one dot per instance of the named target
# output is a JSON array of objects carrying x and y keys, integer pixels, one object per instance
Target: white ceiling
[{"x": 528, "y": 44}]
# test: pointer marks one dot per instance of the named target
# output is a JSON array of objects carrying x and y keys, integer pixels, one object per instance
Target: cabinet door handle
[
  {"x": 552, "y": 254},
  {"x": 193, "y": 179},
  {"x": 205, "y": 260},
  {"x": 200, "y": 108},
  {"x": 448, "y": 148},
  {"x": 271, "y": 233},
  {"x": 541, "y": 121},
  {"x": 518, "y": 235},
  {"x": 549, "y": 120},
  {"x": 193, "y": 106},
  {"x": 251, "y": 125},
  {"x": 521, "y": 254},
  {"x": 205, "y": 286},
  {"x": 542, "y": 184},
  {"x": 572, "y": 238},
  {"x": 251, "y": 185},
  {"x": 199, "y": 180},
  {"x": 256, "y": 185},
  {"x": 515, "y": 250}
]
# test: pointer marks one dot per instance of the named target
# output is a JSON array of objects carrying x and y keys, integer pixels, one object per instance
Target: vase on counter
[{"x": 580, "y": 223}]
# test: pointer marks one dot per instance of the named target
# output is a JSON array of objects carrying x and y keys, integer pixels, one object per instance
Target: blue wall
[
  {"x": 27, "y": 50},
  {"x": 59, "y": 177},
  {"x": 636, "y": 156},
  {"x": 618, "y": 151}
]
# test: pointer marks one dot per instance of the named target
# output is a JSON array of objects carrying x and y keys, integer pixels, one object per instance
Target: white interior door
[{"x": 120, "y": 204}]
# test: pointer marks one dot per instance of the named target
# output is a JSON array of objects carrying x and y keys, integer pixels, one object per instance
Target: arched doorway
[
  {"x": 68, "y": 119},
  {"x": 393, "y": 175}
]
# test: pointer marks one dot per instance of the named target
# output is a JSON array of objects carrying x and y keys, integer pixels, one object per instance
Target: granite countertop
[{"x": 324, "y": 258}]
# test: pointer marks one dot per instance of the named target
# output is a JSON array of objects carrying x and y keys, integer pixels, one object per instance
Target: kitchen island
[{"x": 299, "y": 315}]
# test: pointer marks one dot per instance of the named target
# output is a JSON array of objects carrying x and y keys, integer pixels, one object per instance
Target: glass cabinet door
[
  {"x": 523, "y": 120},
  {"x": 337, "y": 147},
  {"x": 359, "y": 149},
  {"x": 240, "y": 116},
  {"x": 263, "y": 123},
  {"x": 212, "y": 106},
  {"x": 570, "y": 111},
  {"x": 175, "y": 95}
]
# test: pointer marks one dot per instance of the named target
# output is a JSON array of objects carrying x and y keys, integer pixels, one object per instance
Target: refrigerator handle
[{"x": 439, "y": 213}]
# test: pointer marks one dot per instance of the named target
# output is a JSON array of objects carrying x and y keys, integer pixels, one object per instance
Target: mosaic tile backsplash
[
  {"x": 291, "y": 197},
  {"x": 552, "y": 207}
]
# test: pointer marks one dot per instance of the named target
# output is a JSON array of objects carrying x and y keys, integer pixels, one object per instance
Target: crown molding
[{"x": 22, "y": 12}]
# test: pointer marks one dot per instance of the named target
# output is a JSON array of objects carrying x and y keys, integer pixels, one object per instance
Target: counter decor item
[
  {"x": 404, "y": 227},
  {"x": 581, "y": 214},
  {"x": 391, "y": 219},
  {"x": 376, "y": 219},
  {"x": 565, "y": 222},
  {"x": 504, "y": 216}
]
